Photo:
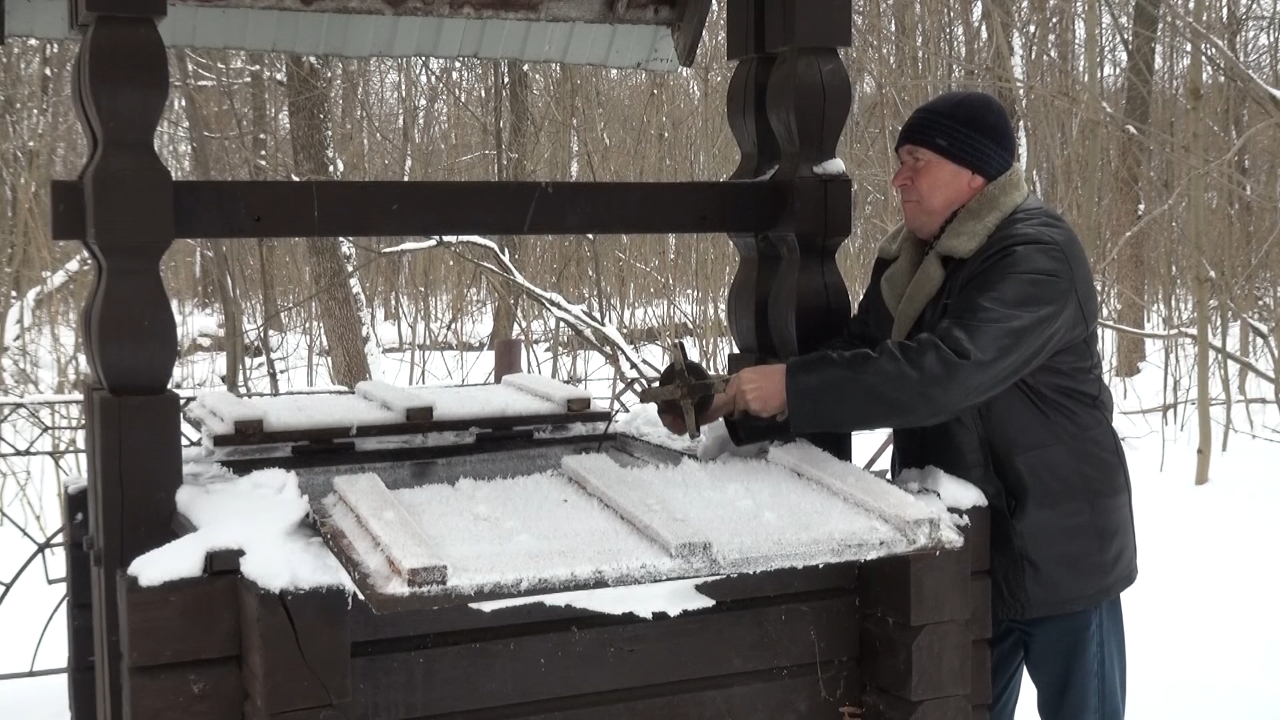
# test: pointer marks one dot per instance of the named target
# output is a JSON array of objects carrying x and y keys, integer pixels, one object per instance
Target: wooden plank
[
  {"x": 794, "y": 692},
  {"x": 180, "y": 621},
  {"x": 980, "y": 685},
  {"x": 777, "y": 587},
  {"x": 691, "y": 22},
  {"x": 883, "y": 706},
  {"x": 918, "y": 588},
  {"x": 295, "y": 655},
  {"x": 977, "y": 538},
  {"x": 917, "y": 663},
  {"x": 204, "y": 690},
  {"x": 810, "y": 24},
  {"x": 568, "y": 397},
  {"x": 399, "y": 537},
  {"x": 886, "y": 501},
  {"x": 409, "y": 406},
  {"x": 980, "y": 606},
  {"x": 229, "y": 209},
  {"x": 450, "y": 678},
  {"x": 79, "y": 608},
  {"x": 600, "y": 476},
  {"x": 408, "y": 428},
  {"x": 324, "y": 713}
]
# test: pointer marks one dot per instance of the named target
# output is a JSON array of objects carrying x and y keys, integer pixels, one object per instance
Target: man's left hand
[{"x": 759, "y": 390}]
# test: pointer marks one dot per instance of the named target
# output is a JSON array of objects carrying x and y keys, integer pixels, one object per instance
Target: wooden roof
[{"x": 642, "y": 34}]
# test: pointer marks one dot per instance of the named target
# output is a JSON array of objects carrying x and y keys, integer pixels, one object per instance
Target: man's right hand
[{"x": 721, "y": 405}]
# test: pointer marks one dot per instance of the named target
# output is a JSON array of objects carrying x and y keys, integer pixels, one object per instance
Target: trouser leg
[
  {"x": 1077, "y": 662},
  {"x": 1007, "y": 646}
]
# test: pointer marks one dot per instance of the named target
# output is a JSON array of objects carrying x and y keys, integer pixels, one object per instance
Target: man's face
[{"x": 930, "y": 188}]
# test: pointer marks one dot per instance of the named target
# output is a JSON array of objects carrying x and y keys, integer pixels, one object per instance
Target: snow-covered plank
[
  {"x": 568, "y": 397},
  {"x": 529, "y": 531},
  {"x": 473, "y": 402},
  {"x": 221, "y": 412},
  {"x": 895, "y": 506},
  {"x": 599, "y": 475},
  {"x": 408, "y": 406},
  {"x": 398, "y": 536}
]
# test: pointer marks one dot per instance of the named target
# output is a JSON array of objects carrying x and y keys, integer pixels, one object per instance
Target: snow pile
[
  {"x": 829, "y": 168},
  {"x": 643, "y": 423},
  {"x": 951, "y": 491},
  {"x": 260, "y": 513},
  {"x": 548, "y": 389},
  {"x": 670, "y": 598}
]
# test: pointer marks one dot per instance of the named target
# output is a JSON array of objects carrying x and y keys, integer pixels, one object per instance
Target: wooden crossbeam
[{"x": 330, "y": 208}]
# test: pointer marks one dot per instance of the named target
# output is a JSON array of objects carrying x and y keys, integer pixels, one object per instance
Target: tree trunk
[
  {"x": 1000, "y": 29},
  {"x": 1199, "y": 253},
  {"x": 233, "y": 326},
  {"x": 261, "y": 126},
  {"x": 312, "y": 142},
  {"x": 1137, "y": 113},
  {"x": 513, "y": 164}
]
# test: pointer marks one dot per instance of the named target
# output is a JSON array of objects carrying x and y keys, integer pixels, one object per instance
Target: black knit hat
[{"x": 971, "y": 129}]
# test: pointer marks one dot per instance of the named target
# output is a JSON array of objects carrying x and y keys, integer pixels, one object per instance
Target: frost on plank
[{"x": 398, "y": 536}]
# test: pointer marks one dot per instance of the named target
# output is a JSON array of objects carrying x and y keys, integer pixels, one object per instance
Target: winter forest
[{"x": 1152, "y": 125}]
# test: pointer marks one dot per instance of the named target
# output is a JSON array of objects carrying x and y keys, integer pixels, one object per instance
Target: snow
[
  {"x": 671, "y": 598},
  {"x": 219, "y": 411},
  {"x": 501, "y": 532},
  {"x": 955, "y": 494},
  {"x": 546, "y": 388},
  {"x": 476, "y": 401},
  {"x": 756, "y": 515},
  {"x": 829, "y": 168},
  {"x": 395, "y": 399},
  {"x": 260, "y": 513},
  {"x": 644, "y": 424},
  {"x": 918, "y": 523}
]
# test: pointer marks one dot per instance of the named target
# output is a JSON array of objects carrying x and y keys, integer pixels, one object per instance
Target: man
[{"x": 976, "y": 341}]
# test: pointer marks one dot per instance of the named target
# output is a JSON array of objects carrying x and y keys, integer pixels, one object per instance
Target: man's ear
[{"x": 977, "y": 182}]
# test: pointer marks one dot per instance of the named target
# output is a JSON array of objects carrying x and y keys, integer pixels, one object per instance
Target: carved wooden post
[
  {"x": 748, "y": 303},
  {"x": 789, "y": 99},
  {"x": 132, "y": 419}
]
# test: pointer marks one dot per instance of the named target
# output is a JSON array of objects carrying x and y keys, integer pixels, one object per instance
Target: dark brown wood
[
  {"x": 86, "y": 10},
  {"x": 325, "y": 208},
  {"x": 133, "y": 441},
  {"x": 773, "y": 587},
  {"x": 508, "y": 358},
  {"x": 637, "y": 12},
  {"x": 691, "y": 21},
  {"x": 441, "y": 680},
  {"x": 180, "y": 621},
  {"x": 747, "y": 306},
  {"x": 325, "y": 713},
  {"x": 204, "y": 690},
  {"x": 980, "y": 685},
  {"x": 883, "y": 706},
  {"x": 980, "y": 606},
  {"x": 777, "y": 694},
  {"x": 919, "y": 588},
  {"x": 295, "y": 650},
  {"x": 405, "y": 428},
  {"x": 981, "y": 712},
  {"x": 793, "y": 25},
  {"x": 917, "y": 663},
  {"x": 79, "y": 608},
  {"x": 977, "y": 538}
]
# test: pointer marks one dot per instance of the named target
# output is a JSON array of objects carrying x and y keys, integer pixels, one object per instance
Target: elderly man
[{"x": 976, "y": 341}]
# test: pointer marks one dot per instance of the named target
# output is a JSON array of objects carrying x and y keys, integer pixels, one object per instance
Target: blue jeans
[{"x": 1076, "y": 661}]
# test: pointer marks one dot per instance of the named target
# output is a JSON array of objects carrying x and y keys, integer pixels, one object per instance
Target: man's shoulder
[{"x": 1036, "y": 222}]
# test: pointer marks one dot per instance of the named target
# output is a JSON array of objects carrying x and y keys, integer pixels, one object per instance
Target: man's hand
[{"x": 759, "y": 390}]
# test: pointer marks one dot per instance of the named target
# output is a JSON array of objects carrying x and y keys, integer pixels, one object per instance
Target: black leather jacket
[{"x": 999, "y": 382}]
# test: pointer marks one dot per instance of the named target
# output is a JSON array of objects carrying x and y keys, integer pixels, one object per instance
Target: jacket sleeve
[
  {"x": 1015, "y": 310},
  {"x": 855, "y": 335}
]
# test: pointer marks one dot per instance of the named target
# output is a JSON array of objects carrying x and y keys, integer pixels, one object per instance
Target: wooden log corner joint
[{"x": 424, "y": 504}]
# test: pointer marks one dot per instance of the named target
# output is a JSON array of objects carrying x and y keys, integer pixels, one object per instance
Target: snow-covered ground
[{"x": 1203, "y": 632}]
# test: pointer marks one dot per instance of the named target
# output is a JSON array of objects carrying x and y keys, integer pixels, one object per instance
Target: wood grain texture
[
  {"x": 204, "y": 690},
  {"x": 231, "y": 209},
  {"x": 180, "y": 621},
  {"x": 918, "y": 588},
  {"x": 917, "y": 663},
  {"x": 542, "y": 667}
]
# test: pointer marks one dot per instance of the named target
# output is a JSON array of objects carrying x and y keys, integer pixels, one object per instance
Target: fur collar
[{"x": 914, "y": 277}]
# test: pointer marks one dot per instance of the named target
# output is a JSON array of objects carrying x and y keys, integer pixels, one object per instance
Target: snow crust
[
  {"x": 260, "y": 513},
  {"x": 829, "y": 168},
  {"x": 393, "y": 398},
  {"x": 955, "y": 494},
  {"x": 548, "y": 389}
]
